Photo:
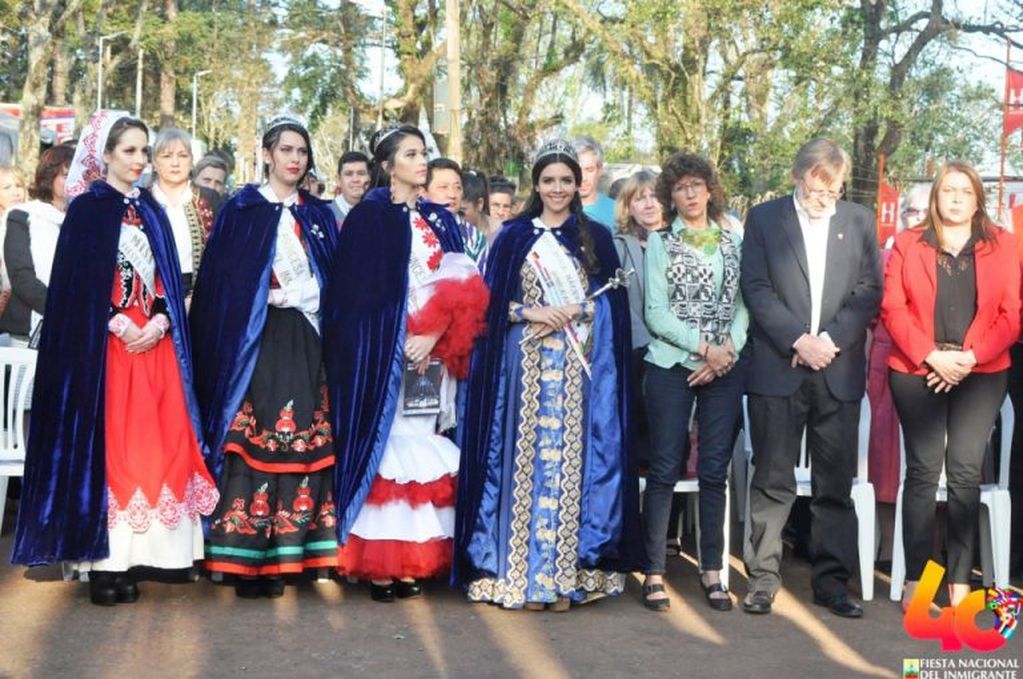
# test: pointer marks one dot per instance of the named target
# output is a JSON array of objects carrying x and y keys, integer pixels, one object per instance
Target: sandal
[
  {"x": 561, "y": 605},
  {"x": 717, "y": 603},
  {"x": 655, "y": 604}
]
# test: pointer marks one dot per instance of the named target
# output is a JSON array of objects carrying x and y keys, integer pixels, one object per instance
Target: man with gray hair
[
  {"x": 811, "y": 279},
  {"x": 597, "y": 206}
]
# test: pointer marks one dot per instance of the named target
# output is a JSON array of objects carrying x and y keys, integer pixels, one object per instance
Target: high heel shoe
[
  {"x": 101, "y": 588},
  {"x": 382, "y": 593},
  {"x": 271, "y": 588},
  {"x": 407, "y": 590},
  {"x": 126, "y": 589}
]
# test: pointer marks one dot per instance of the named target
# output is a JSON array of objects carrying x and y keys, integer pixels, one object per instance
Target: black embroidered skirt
[{"x": 276, "y": 513}]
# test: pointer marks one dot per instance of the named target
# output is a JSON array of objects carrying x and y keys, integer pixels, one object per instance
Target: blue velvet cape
[
  {"x": 229, "y": 300},
  {"x": 63, "y": 511},
  {"x": 364, "y": 318},
  {"x": 481, "y": 432}
]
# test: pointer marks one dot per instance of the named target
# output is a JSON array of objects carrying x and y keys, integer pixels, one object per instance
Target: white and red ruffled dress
[{"x": 406, "y": 526}]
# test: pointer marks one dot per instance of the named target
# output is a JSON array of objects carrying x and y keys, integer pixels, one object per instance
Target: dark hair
[
  {"x": 273, "y": 136},
  {"x": 55, "y": 159},
  {"x": 121, "y": 126},
  {"x": 351, "y": 157},
  {"x": 441, "y": 164},
  {"x": 210, "y": 160},
  {"x": 383, "y": 146},
  {"x": 475, "y": 187},
  {"x": 681, "y": 164},
  {"x": 504, "y": 186},
  {"x": 226, "y": 156},
  {"x": 534, "y": 206}
]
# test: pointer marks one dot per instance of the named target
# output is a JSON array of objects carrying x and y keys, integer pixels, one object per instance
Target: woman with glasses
[
  {"x": 698, "y": 323},
  {"x": 951, "y": 304}
]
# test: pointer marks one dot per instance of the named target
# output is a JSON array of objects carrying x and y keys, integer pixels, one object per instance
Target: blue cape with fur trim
[
  {"x": 610, "y": 538},
  {"x": 364, "y": 318},
  {"x": 229, "y": 300},
  {"x": 63, "y": 511}
]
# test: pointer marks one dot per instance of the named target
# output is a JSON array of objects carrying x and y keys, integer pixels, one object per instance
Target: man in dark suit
[{"x": 811, "y": 279}]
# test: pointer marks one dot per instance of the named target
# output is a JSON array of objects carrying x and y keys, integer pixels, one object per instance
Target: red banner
[
  {"x": 887, "y": 212},
  {"x": 1013, "y": 119}
]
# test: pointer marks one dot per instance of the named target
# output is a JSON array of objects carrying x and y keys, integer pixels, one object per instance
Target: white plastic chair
[
  {"x": 995, "y": 514},
  {"x": 691, "y": 486},
  {"x": 17, "y": 399},
  {"x": 862, "y": 494}
]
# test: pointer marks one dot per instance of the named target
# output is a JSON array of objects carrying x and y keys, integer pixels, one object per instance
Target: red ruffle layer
[
  {"x": 458, "y": 310},
  {"x": 439, "y": 493},
  {"x": 384, "y": 559}
]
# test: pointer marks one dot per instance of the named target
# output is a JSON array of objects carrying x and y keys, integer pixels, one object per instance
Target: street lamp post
[
  {"x": 195, "y": 86},
  {"x": 99, "y": 83}
]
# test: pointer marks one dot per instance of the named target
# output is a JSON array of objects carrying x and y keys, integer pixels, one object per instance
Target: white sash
[
  {"x": 561, "y": 285},
  {"x": 291, "y": 267},
  {"x": 135, "y": 247}
]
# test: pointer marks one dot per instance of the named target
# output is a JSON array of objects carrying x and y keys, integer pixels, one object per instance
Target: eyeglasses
[
  {"x": 820, "y": 194},
  {"x": 691, "y": 187}
]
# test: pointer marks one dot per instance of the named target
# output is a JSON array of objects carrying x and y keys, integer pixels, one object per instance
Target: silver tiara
[
  {"x": 382, "y": 134},
  {"x": 556, "y": 147},
  {"x": 284, "y": 119}
]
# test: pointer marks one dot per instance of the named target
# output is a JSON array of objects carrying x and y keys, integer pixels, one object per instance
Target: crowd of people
[{"x": 427, "y": 375}]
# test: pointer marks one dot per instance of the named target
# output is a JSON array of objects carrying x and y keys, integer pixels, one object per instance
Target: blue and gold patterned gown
[{"x": 527, "y": 540}]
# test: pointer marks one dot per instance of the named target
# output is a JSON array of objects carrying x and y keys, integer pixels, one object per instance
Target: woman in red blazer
[{"x": 952, "y": 307}]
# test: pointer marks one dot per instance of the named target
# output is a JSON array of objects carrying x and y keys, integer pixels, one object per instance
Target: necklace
[{"x": 706, "y": 240}]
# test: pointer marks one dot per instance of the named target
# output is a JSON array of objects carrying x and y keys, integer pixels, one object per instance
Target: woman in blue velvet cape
[
  {"x": 548, "y": 494},
  {"x": 364, "y": 329},
  {"x": 70, "y": 481},
  {"x": 260, "y": 381}
]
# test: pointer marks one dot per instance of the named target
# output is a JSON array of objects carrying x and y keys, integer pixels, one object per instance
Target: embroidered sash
[
  {"x": 559, "y": 279},
  {"x": 134, "y": 247},
  {"x": 196, "y": 229}
]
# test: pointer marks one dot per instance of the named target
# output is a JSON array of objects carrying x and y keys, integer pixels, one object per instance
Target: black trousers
[
  {"x": 1016, "y": 462},
  {"x": 950, "y": 429},
  {"x": 670, "y": 400},
  {"x": 776, "y": 431}
]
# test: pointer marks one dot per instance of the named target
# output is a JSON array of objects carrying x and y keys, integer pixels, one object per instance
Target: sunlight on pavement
[
  {"x": 420, "y": 616},
  {"x": 332, "y": 594},
  {"x": 524, "y": 646},
  {"x": 684, "y": 617}
]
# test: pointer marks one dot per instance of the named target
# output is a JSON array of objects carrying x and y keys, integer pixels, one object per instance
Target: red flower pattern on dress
[
  {"x": 285, "y": 435},
  {"x": 199, "y": 498}
]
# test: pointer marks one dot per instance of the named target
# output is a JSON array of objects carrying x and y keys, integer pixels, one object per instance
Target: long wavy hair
[
  {"x": 383, "y": 146},
  {"x": 534, "y": 206}
]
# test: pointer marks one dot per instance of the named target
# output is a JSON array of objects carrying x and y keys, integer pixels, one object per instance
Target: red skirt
[{"x": 154, "y": 467}]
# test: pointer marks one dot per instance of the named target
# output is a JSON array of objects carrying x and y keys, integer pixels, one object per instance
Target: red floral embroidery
[
  {"x": 285, "y": 435},
  {"x": 434, "y": 261}
]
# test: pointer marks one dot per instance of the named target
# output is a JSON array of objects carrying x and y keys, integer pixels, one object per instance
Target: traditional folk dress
[
  {"x": 548, "y": 503},
  {"x": 275, "y": 453},
  {"x": 191, "y": 222},
  {"x": 120, "y": 434},
  {"x": 398, "y": 509}
]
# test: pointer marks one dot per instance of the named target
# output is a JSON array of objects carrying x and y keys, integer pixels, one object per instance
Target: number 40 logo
[{"x": 958, "y": 626}]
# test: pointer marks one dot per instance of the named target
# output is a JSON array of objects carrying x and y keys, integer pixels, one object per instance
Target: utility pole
[
  {"x": 138, "y": 85},
  {"x": 195, "y": 87},
  {"x": 99, "y": 69},
  {"x": 452, "y": 30}
]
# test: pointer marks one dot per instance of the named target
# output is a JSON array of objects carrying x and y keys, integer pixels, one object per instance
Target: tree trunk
[
  {"x": 33, "y": 93},
  {"x": 168, "y": 82},
  {"x": 61, "y": 68}
]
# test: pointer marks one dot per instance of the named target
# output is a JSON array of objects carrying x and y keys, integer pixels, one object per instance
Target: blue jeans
[{"x": 669, "y": 402}]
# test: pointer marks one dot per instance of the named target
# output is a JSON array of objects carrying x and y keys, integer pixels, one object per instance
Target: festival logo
[
  {"x": 956, "y": 627},
  {"x": 911, "y": 668}
]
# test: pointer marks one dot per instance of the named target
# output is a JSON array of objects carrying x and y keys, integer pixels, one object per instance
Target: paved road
[{"x": 329, "y": 629}]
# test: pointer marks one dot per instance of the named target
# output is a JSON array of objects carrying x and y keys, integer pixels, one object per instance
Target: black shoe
[
  {"x": 407, "y": 590},
  {"x": 658, "y": 605},
  {"x": 717, "y": 603},
  {"x": 271, "y": 588},
  {"x": 382, "y": 593},
  {"x": 101, "y": 588},
  {"x": 758, "y": 602},
  {"x": 840, "y": 604},
  {"x": 248, "y": 588},
  {"x": 127, "y": 590}
]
